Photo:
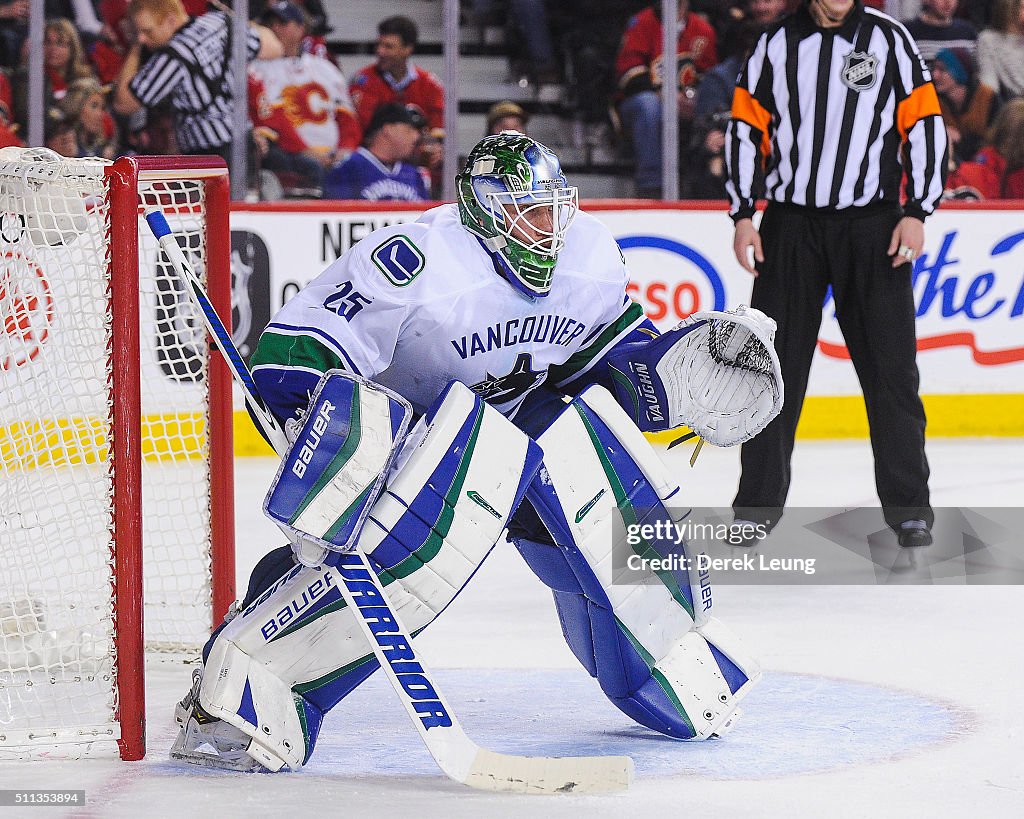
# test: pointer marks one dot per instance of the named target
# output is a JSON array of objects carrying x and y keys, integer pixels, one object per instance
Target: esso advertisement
[
  {"x": 968, "y": 282},
  {"x": 677, "y": 272}
]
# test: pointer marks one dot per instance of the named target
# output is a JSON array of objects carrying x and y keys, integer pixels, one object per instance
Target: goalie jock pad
[
  {"x": 281, "y": 664},
  {"x": 653, "y": 646}
]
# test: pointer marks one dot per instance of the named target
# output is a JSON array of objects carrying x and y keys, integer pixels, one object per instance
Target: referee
[
  {"x": 189, "y": 63},
  {"x": 834, "y": 120}
]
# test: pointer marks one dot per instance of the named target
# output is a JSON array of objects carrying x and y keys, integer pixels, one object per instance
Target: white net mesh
[{"x": 57, "y": 649}]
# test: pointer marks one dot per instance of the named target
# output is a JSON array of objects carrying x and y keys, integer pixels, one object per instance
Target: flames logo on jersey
[
  {"x": 306, "y": 103},
  {"x": 687, "y": 73},
  {"x": 26, "y": 310}
]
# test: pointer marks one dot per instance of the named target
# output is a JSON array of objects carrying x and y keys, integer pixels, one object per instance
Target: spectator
[
  {"x": 594, "y": 32},
  {"x": 316, "y": 20},
  {"x": 380, "y": 169},
  {"x": 968, "y": 107},
  {"x": 1001, "y": 50},
  {"x": 935, "y": 28},
  {"x": 6, "y": 99},
  {"x": 309, "y": 124},
  {"x": 732, "y": 35},
  {"x": 393, "y": 78},
  {"x": 64, "y": 61},
  {"x": 532, "y": 45},
  {"x": 114, "y": 39},
  {"x": 189, "y": 64},
  {"x": 8, "y": 131},
  {"x": 59, "y": 133},
  {"x": 84, "y": 105},
  {"x": 13, "y": 30},
  {"x": 640, "y": 69},
  {"x": 506, "y": 116},
  {"x": 81, "y": 14},
  {"x": 997, "y": 172},
  {"x": 705, "y": 161}
]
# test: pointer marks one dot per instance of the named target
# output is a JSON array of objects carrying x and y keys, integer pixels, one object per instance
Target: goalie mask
[{"x": 514, "y": 197}]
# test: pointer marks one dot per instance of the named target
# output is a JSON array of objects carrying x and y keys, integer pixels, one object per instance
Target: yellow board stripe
[
  {"x": 78, "y": 441},
  {"x": 67, "y": 442},
  {"x": 949, "y": 416}
]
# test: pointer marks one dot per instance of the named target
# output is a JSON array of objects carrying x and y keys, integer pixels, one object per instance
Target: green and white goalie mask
[{"x": 515, "y": 198}]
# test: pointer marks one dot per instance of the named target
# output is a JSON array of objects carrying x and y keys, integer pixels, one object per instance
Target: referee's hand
[
  {"x": 907, "y": 241},
  {"x": 745, "y": 239}
]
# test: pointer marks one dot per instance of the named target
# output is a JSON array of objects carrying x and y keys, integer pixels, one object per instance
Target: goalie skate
[{"x": 205, "y": 740}]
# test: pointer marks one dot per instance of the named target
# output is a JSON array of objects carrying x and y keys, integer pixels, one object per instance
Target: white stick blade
[{"x": 545, "y": 775}]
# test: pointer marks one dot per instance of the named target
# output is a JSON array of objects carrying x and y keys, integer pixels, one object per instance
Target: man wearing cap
[
  {"x": 306, "y": 122},
  {"x": 506, "y": 116},
  {"x": 380, "y": 168}
]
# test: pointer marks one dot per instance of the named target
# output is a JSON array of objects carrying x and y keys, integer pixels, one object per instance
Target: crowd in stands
[{"x": 154, "y": 76}]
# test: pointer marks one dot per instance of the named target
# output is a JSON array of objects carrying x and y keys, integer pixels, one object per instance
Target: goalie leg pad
[
  {"x": 287, "y": 659},
  {"x": 660, "y": 658}
]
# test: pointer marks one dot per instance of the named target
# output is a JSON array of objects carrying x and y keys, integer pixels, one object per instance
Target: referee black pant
[{"x": 805, "y": 251}]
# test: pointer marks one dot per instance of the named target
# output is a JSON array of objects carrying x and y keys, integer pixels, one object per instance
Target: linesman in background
[{"x": 834, "y": 121}]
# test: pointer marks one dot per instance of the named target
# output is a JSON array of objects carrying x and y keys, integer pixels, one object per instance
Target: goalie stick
[{"x": 454, "y": 752}]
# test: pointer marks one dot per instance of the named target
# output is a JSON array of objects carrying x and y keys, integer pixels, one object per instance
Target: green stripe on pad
[
  {"x": 656, "y": 673},
  {"x": 439, "y": 530},
  {"x": 629, "y": 516}
]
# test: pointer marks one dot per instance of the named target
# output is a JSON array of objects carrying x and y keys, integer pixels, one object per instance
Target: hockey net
[{"x": 114, "y": 442}]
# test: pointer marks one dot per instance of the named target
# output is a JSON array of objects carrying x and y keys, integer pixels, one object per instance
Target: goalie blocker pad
[
  {"x": 716, "y": 372},
  {"x": 285, "y": 661},
  {"x": 335, "y": 468},
  {"x": 653, "y": 646}
]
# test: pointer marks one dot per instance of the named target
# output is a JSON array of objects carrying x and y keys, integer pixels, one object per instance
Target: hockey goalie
[{"x": 477, "y": 373}]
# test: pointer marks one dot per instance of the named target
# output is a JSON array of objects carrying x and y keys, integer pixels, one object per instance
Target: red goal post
[{"x": 116, "y": 491}]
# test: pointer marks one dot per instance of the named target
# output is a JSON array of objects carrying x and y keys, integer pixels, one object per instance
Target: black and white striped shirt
[
  {"x": 834, "y": 118},
  {"x": 194, "y": 70}
]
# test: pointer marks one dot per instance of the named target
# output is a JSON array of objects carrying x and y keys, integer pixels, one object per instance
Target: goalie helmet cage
[{"x": 115, "y": 436}]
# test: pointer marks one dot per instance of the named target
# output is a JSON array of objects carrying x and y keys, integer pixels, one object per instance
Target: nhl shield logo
[{"x": 859, "y": 70}]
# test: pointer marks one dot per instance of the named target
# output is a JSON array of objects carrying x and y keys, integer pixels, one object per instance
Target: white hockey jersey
[
  {"x": 308, "y": 91},
  {"x": 416, "y": 305}
]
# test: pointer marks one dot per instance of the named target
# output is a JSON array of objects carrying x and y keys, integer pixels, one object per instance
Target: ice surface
[{"x": 876, "y": 701}]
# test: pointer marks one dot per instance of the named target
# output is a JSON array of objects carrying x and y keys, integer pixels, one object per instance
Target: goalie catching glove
[{"x": 716, "y": 372}]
